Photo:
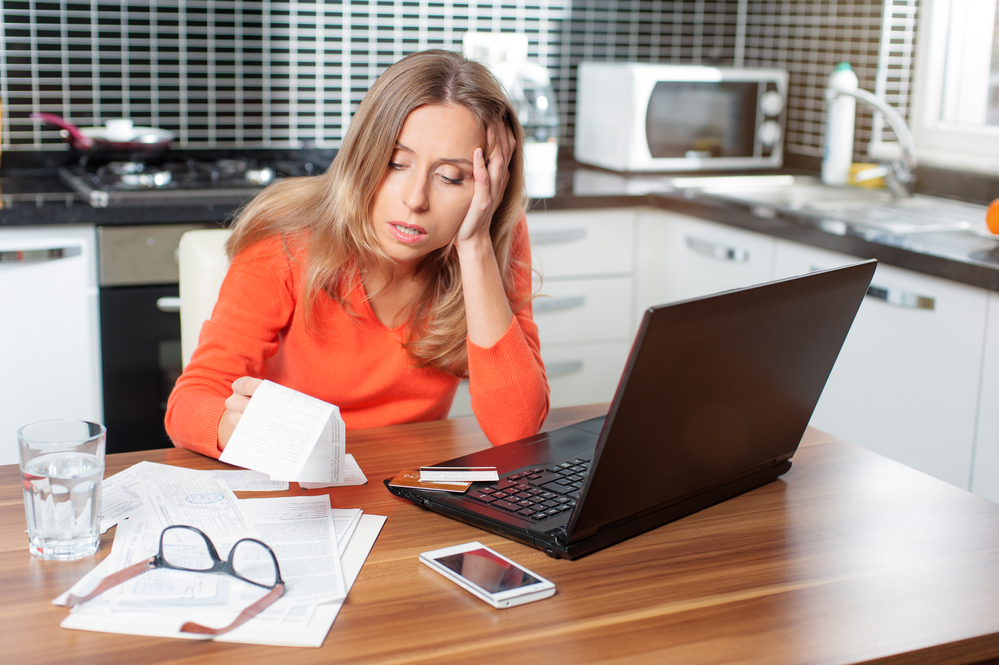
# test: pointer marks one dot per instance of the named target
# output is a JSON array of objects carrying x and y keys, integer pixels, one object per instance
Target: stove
[{"x": 156, "y": 183}]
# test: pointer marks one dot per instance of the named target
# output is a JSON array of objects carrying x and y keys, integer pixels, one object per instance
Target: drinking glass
[{"x": 62, "y": 465}]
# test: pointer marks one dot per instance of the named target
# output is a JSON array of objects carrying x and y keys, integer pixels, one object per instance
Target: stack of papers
[{"x": 319, "y": 550}]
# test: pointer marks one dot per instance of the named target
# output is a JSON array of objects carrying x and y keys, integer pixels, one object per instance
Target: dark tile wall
[{"x": 250, "y": 74}]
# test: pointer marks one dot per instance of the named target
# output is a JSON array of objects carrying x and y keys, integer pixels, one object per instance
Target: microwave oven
[{"x": 650, "y": 117}]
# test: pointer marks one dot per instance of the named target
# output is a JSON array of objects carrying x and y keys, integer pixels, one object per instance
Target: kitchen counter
[
  {"x": 959, "y": 257},
  {"x": 36, "y": 196}
]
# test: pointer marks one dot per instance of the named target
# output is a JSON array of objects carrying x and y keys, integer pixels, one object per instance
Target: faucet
[{"x": 900, "y": 173}]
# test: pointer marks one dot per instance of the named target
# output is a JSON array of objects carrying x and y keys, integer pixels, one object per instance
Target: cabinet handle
[
  {"x": 716, "y": 251},
  {"x": 168, "y": 304},
  {"x": 557, "y": 236},
  {"x": 50, "y": 254},
  {"x": 901, "y": 298},
  {"x": 562, "y": 368},
  {"x": 543, "y": 305}
]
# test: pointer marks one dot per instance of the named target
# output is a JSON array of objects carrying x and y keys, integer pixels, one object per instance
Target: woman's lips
[{"x": 407, "y": 233}]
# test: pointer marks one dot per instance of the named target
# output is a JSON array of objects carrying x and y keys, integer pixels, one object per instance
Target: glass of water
[{"x": 62, "y": 465}]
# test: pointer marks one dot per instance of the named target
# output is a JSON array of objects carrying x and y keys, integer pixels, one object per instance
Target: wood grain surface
[{"x": 848, "y": 558}]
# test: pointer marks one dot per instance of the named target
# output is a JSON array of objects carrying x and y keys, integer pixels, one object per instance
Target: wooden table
[{"x": 850, "y": 557}]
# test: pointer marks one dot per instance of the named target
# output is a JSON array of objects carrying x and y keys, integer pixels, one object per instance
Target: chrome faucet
[{"x": 900, "y": 173}]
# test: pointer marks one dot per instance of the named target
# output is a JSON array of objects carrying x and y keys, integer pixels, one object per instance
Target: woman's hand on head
[
  {"x": 242, "y": 390},
  {"x": 492, "y": 174}
]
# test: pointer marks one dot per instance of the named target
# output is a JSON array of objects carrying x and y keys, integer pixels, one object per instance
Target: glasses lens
[
  {"x": 186, "y": 548},
  {"x": 254, "y": 562}
]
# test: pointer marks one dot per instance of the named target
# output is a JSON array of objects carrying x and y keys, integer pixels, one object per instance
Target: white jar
[{"x": 840, "y": 117}]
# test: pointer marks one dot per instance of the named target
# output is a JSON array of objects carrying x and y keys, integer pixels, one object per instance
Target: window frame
[{"x": 961, "y": 141}]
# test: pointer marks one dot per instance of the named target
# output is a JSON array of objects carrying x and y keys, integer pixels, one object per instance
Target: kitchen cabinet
[
  {"x": 682, "y": 257},
  {"x": 907, "y": 379},
  {"x": 585, "y": 306},
  {"x": 985, "y": 476},
  {"x": 50, "y": 333}
]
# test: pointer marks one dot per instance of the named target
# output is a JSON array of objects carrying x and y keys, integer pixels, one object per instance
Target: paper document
[
  {"x": 307, "y": 536},
  {"x": 120, "y": 493},
  {"x": 245, "y": 480},
  {"x": 352, "y": 475},
  {"x": 304, "y": 628},
  {"x": 290, "y": 436}
]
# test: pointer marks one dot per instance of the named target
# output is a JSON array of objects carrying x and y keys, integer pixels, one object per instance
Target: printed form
[{"x": 307, "y": 536}]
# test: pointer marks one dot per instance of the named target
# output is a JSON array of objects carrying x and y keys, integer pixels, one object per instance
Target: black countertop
[{"x": 31, "y": 193}]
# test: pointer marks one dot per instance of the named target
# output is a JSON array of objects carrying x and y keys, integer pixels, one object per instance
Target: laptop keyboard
[{"x": 538, "y": 493}]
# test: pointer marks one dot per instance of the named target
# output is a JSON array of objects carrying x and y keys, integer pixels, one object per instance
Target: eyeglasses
[{"x": 187, "y": 548}]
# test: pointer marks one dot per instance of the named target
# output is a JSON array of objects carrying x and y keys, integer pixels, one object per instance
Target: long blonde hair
[{"x": 333, "y": 211}]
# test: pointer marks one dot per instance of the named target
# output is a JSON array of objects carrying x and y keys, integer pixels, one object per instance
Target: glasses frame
[{"x": 219, "y": 565}]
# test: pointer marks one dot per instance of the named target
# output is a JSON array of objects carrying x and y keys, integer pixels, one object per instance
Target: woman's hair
[{"x": 334, "y": 210}]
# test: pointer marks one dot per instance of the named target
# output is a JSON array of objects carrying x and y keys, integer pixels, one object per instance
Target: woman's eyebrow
[{"x": 456, "y": 160}]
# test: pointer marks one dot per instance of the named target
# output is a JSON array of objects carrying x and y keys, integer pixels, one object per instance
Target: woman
[{"x": 377, "y": 285}]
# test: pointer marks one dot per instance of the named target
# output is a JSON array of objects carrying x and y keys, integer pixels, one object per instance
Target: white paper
[
  {"x": 119, "y": 493},
  {"x": 306, "y": 628},
  {"x": 245, "y": 480},
  {"x": 288, "y": 435},
  {"x": 352, "y": 475},
  {"x": 207, "y": 504},
  {"x": 302, "y": 532}
]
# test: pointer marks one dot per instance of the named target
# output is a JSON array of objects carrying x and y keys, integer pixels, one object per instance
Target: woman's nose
[{"x": 416, "y": 193}]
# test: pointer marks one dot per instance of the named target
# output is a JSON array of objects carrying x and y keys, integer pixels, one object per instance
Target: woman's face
[{"x": 428, "y": 184}]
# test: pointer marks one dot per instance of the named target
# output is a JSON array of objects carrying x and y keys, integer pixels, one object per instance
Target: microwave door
[{"x": 702, "y": 120}]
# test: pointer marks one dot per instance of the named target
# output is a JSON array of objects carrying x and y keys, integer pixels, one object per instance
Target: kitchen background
[
  {"x": 274, "y": 83},
  {"x": 281, "y": 74}
]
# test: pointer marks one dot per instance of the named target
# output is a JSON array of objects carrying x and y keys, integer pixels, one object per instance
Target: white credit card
[{"x": 458, "y": 473}]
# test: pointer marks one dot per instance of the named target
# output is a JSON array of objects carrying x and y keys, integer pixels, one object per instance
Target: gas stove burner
[
  {"x": 122, "y": 168},
  {"x": 181, "y": 180},
  {"x": 239, "y": 169},
  {"x": 231, "y": 165},
  {"x": 132, "y": 175}
]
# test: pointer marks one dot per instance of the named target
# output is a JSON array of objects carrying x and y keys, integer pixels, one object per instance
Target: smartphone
[{"x": 488, "y": 574}]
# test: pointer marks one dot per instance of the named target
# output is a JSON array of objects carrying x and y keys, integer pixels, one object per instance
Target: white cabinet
[
  {"x": 585, "y": 311},
  {"x": 683, "y": 257},
  {"x": 50, "y": 333},
  {"x": 906, "y": 381},
  {"x": 585, "y": 304},
  {"x": 985, "y": 477}
]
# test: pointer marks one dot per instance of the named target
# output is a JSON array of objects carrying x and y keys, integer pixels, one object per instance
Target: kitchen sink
[{"x": 869, "y": 208}]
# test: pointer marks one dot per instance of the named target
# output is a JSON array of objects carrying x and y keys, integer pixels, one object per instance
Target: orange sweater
[{"x": 258, "y": 329}]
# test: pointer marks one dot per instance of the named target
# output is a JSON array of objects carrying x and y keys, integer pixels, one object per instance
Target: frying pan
[{"x": 119, "y": 136}]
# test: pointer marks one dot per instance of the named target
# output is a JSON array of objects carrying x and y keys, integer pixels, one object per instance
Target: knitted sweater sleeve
[
  {"x": 256, "y": 301},
  {"x": 507, "y": 380}
]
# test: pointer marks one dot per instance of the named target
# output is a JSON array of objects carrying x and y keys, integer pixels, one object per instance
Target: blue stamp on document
[{"x": 202, "y": 498}]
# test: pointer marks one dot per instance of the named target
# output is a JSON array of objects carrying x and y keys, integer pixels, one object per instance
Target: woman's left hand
[{"x": 491, "y": 178}]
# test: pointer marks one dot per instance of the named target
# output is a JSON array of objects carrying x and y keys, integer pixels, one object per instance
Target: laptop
[{"x": 714, "y": 399}]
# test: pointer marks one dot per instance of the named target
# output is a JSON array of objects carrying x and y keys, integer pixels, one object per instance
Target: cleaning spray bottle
[{"x": 839, "y": 127}]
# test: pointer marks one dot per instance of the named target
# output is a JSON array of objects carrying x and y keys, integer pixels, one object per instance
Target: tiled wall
[{"x": 242, "y": 73}]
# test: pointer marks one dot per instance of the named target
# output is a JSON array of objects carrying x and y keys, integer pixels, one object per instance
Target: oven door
[
  {"x": 140, "y": 330},
  {"x": 140, "y": 346}
]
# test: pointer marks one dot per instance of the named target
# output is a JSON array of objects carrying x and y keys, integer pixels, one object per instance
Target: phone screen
[{"x": 484, "y": 569}]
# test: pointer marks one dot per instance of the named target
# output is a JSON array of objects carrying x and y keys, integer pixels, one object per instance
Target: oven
[
  {"x": 139, "y": 272},
  {"x": 140, "y": 330}
]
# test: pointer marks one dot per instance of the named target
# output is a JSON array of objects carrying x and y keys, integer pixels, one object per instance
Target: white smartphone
[{"x": 488, "y": 574}]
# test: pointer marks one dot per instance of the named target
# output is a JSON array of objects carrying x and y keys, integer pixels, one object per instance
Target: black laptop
[{"x": 714, "y": 399}]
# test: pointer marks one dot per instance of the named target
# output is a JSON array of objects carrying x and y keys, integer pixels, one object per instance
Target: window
[{"x": 955, "y": 118}]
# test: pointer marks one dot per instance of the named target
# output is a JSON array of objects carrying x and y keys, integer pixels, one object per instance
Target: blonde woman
[{"x": 381, "y": 283}]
